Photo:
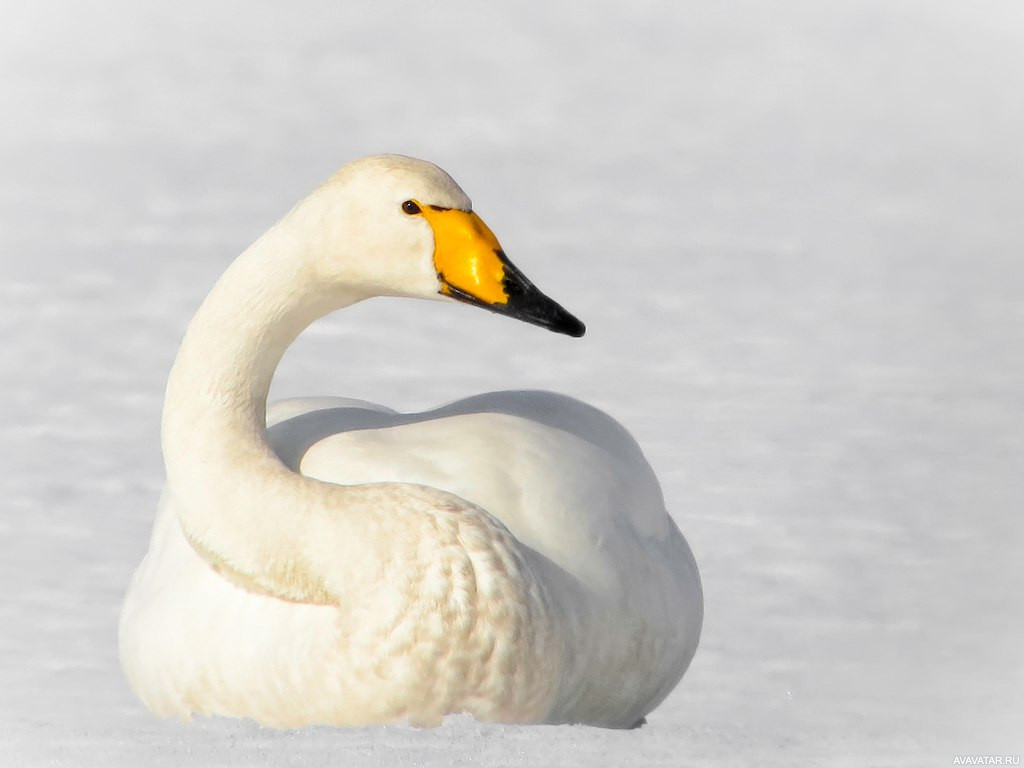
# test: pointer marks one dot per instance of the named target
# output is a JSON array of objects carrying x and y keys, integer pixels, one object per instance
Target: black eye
[{"x": 410, "y": 207}]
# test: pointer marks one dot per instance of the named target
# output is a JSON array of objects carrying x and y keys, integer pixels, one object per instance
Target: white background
[{"x": 794, "y": 230}]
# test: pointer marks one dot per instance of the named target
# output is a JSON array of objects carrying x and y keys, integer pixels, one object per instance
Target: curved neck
[
  {"x": 225, "y": 482},
  {"x": 217, "y": 390}
]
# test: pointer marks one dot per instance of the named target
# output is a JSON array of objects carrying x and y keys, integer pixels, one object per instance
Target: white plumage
[{"x": 508, "y": 555}]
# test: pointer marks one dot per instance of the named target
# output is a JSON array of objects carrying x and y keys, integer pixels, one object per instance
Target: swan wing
[{"x": 564, "y": 478}]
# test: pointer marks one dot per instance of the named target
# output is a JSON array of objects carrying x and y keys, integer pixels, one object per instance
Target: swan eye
[{"x": 410, "y": 207}]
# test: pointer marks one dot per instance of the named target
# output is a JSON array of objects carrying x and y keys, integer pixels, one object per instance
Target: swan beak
[{"x": 472, "y": 267}]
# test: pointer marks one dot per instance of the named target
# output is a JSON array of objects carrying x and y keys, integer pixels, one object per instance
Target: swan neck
[
  {"x": 262, "y": 526},
  {"x": 235, "y": 342},
  {"x": 215, "y": 404},
  {"x": 226, "y": 483}
]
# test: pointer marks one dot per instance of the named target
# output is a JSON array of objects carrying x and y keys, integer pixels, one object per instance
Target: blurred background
[{"x": 793, "y": 229}]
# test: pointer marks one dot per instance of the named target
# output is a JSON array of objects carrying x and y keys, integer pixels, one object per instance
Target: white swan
[{"x": 508, "y": 555}]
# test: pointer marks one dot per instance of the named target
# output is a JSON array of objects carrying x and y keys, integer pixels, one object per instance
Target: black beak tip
[
  {"x": 570, "y": 326},
  {"x": 524, "y": 303}
]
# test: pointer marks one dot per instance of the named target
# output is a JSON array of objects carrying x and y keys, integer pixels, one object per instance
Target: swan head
[{"x": 397, "y": 226}]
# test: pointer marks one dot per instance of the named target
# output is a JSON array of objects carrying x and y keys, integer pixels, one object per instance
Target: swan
[{"x": 331, "y": 561}]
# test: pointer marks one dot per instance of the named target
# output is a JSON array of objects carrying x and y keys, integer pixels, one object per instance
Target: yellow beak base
[{"x": 466, "y": 255}]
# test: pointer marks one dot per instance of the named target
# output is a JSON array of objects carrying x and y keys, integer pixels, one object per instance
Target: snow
[{"x": 793, "y": 230}]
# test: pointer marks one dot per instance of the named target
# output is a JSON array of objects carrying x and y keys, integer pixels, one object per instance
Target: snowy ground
[{"x": 793, "y": 229}]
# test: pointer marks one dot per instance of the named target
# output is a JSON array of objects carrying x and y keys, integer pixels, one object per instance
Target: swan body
[{"x": 333, "y": 561}]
